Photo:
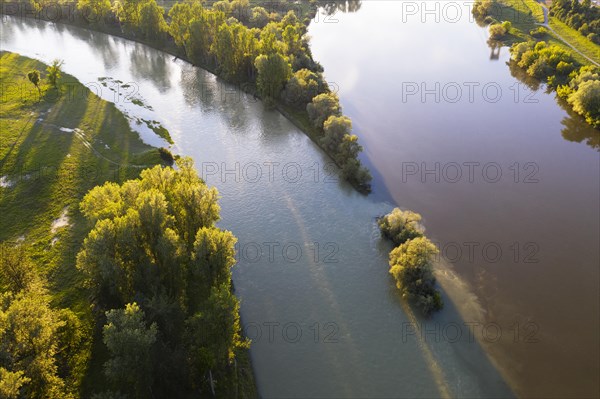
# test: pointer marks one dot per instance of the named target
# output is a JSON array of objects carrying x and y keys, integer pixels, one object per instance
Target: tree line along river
[{"x": 312, "y": 271}]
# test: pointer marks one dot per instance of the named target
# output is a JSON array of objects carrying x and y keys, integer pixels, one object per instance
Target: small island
[{"x": 412, "y": 258}]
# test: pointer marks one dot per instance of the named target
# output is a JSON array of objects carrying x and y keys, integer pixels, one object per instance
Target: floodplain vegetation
[
  {"x": 573, "y": 74},
  {"x": 114, "y": 280}
]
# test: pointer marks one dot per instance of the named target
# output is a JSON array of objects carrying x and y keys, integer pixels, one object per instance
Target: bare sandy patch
[{"x": 62, "y": 221}]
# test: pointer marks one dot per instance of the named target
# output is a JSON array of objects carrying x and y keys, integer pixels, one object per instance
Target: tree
[
  {"x": 411, "y": 267},
  {"x": 155, "y": 243},
  {"x": 93, "y": 11},
  {"x": 235, "y": 49},
  {"x": 322, "y": 107},
  {"x": 223, "y": 6},
  {"x": 352, "y": 170},
  {"x": 260, "y": 17},
  {"x": 335, "y": 128},
  {"x": 290, "y": 19},
  {"x": 240, "y": 9},
  {"x": 144, "y": 233},
  {"x": 302, "y": 87},
  {"x": 291, "y": 39},
  {"x": 29, "y": 329},
  {"x": 54, "y": 72},
  {"x": 518, "y": 49},
  {"x": 482, "y": 9},
  {"x": 348, "y": 148},
  {"x": 400, "y": 226},
  {"x": 128, "y": 11},
  {"x": 212, "y": 335},
  {"x": 129, "y": 342},
  {"x": 152, "y": 20},
  {"x": 181, "y": 16},
  {"x": 11, "y": 383},
  {"x": 273, "y": 72},
  {"x": 213, "y": 258},
  {"x": 16, "y": 270},
  {"x": 586, "y": 101},
  {"x": 270, "y": 39},
  {"x": 203, "y": 29},
  {"x": 34, "y": 77},
  {"x": 42, "y": 349},
  {"x": 356, "y": 174}
]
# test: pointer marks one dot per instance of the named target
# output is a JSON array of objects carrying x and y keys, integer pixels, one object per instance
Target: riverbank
[
  {"x": 298, "y": 117},
  {"x": 526, "y": 16},
  {"x": 568, "y": 69},
  {"x": 55, "y": 148}
]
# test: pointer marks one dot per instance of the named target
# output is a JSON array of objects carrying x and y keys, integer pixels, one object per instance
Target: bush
[
  {"x": 594, "y": 38},
  {"x": 539, "y": 32},
  {"x": 542, "y": 61}
]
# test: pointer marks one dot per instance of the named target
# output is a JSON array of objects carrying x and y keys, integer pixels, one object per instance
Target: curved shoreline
[{"x": 171, "y": 49}]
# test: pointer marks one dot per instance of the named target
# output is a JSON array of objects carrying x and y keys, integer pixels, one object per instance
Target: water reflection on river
[
  {"x": 541, "y": 212},
  {"x": 312, "y": 268}
]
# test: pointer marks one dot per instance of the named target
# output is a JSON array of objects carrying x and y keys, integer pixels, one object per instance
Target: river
[
  {"x": 317, "y": 300},
  {"x": 506, "y": 179}
]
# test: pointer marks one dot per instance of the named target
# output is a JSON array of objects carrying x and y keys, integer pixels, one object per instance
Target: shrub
[{"x": 539, "y": 32}]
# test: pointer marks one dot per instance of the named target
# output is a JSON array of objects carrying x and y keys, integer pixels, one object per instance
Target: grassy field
[
  {"x": 576, "y": 39},
  {"x": 45, "y": 171},
  {"x": 54, "y": 148},
  {"x": 536, "y": 9},
  {"x": 524, "y": 17}
]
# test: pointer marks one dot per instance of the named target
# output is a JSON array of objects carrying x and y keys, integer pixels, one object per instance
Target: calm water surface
[
  {"x": 541, "y": 212},
  {"x": 311, "y": 261}
]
